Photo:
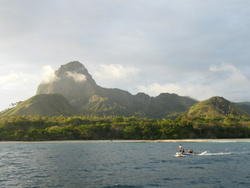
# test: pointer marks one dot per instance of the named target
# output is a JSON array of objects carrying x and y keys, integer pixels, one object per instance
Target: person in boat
[
  {"x": 190, "y": 151},
  {"x": 180, "y": 148},
  {"x": 182, "y": 151}
]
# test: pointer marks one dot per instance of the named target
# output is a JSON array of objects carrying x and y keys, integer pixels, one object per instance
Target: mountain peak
[
  {"x": 73, "y": 82},
  {"x": 73, "y": 66},
  {"x": 76, "y": 71}
]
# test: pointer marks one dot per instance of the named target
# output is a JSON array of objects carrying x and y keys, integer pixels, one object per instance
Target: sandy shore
[{"x": 130, "y": 141}]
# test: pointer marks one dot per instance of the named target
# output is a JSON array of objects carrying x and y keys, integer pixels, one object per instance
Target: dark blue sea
[{"x": 124, "y": 165}]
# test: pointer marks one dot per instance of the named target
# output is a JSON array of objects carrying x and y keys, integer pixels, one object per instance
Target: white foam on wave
[
  {"x": 207, "y": 153},
  {"x": 203, "y": 153}
]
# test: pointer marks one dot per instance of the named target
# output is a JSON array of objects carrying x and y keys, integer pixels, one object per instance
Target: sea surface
[{"x": 124, "y": 165}]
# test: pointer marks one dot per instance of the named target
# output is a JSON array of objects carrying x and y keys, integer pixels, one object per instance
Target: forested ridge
[{"x": 37, "y": 128}]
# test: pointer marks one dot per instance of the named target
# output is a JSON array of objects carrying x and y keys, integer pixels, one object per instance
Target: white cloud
[
  {"x": 234, "y": 76},
  {"x": 77, "y": 77},
  {"x": 15, "y": 80},
  {"x": 226, "y": 80},
  {"x": 115, "y": 72},
  {"x": 48, "y": 74},
  {"x": 198, "y": 92}
]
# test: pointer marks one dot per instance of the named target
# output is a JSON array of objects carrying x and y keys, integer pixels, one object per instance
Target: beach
[{"x": 132, "y": 141}]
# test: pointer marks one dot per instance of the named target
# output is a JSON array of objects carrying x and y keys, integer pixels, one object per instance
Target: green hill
[
  {"x": 43, "y": 104},
  {"x": 215, "y": 107}
]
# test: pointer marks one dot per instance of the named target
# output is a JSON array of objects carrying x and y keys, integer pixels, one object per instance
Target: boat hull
[{"x": 179, "y": 154}]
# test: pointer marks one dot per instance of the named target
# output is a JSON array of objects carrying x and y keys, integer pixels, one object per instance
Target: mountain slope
[
  {"x": 244, "y": 106},
  {"x": 167, "y": 104},
  {"x": 109, "y": 102},
  {"x": 43, "y": 104},
  {"x": 215, "y": 107}
]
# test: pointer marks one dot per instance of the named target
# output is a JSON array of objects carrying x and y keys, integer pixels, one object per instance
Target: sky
[{"x": 195, "y": 48}]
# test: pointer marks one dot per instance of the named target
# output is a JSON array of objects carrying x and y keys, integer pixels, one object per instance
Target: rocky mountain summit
[{"x": 72, "y": 81}]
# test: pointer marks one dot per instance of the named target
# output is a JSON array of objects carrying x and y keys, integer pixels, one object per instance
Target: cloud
[
  {"x": 114, "y": 72},
  {"x": 17, "y": 86},
  {"x": 77, "y": 77},
  {"x": 220, "y": 80},
  {"x": 172, "y": 42},
  {"x": 198, "y": 92},
  {"x": 12, "y": 77},
  {"x": 48, "y": 74},
  {"x": 14, "y": 80},
  {"x": 234, "y": 76}
]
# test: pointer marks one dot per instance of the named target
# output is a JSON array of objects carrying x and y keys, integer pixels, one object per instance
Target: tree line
[{"x": 37, "y": 128}]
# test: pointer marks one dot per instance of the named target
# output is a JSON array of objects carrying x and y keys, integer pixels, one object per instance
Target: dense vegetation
[{"x": 37, "y": 128}]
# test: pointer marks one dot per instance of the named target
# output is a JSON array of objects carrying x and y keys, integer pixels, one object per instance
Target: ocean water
[{"x": 128, "y": 165}]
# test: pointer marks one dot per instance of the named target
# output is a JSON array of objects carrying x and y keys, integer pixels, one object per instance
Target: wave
[{"x": 207, "y": 153}]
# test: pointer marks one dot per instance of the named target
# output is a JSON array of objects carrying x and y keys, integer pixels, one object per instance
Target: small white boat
[{"x": 180, "y": 154}]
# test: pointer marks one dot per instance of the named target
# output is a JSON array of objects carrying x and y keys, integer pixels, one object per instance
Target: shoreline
[{"x": 130, "y": 141}]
